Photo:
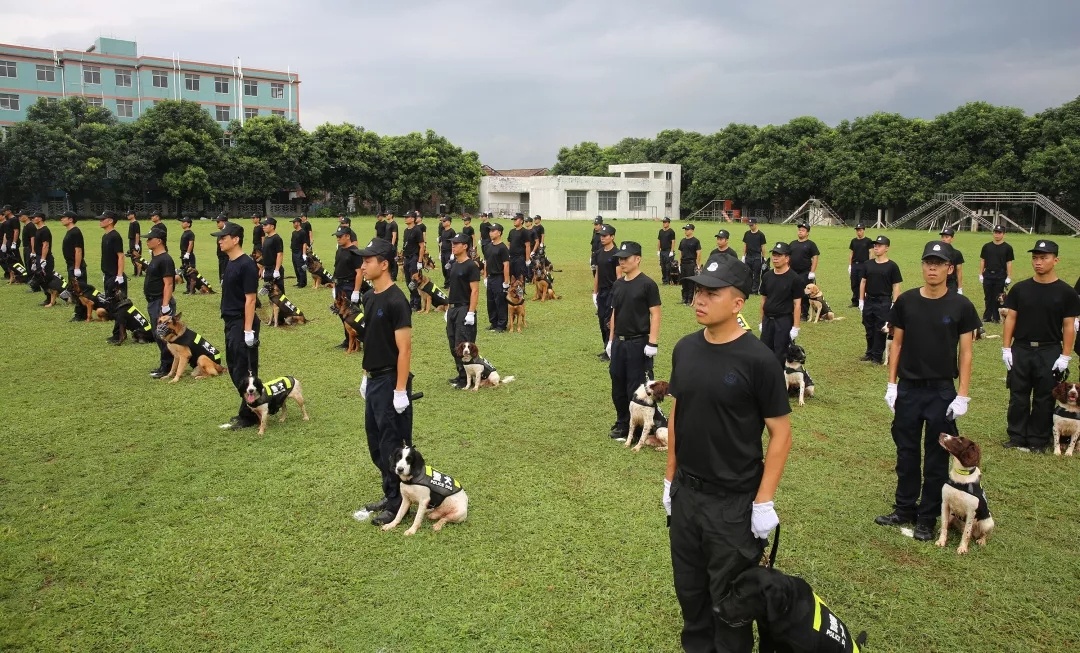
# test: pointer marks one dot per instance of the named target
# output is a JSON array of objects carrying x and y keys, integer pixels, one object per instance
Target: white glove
[
  {"x": 811, "y": 276},
  {"x": 303, "y": 257},
  {"x": 595, "y": 305},
  {"x": 485, "y": 282},
  {"x": 355, "y": 297},
  {"x": 763, "y": 520},
  {"x": 363, "y": 388},
  {"x": 277, "y": 274},
  {"x": 33, "y": 266},
  {"x": 446, "y": 316},
  {"x": 759, "y": 329},
  {"x": 165, "y": 309},
  {"x": 1006, "y": 355},
  {"x": 419, "y": 265},
  {"x": 1061, "y": 364},
  {"x": 959, "y": 291},
  {"x": 120, "y": 279},
  {"x": 506, "y": 286},
  {"x": 657, "y": 252},
  {"x": 446, "y": 267},
  {"x": 78, "y": 273},
  {"x": 958, "y": 407},
  {"x": 138, "y": 247},
  {"x": 666, "y": 499},
  {"x": 890, "y": 396},
  {"x": 980, "y": 278},
  {"x": 249, "y": 338},
  {"x": 1008, "y": 280},
  {"x": 470, "y": 318},
  {"x": 186, "y": 256},
  {"x": 607, "y": 350},
  {"x": 3, "y": 248},
  {"x": 401, "y": 401},
  {"x": 651, "y": 350},
  {"x": 1076, "y": 325},
  {"x": 849, "y": 269},
  {"x": 861, "y": 304},
  {"x": 794, "y": 333}
]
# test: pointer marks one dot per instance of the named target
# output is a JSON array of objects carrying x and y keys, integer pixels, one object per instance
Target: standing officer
[
  {"x": 485, "y": 231},
  {"x": 597, "y": 222},
  {"x": 754, "y": 254},
  {"x": 134, "y": 235},
  {"x": 718, "y": 494},
  {"x": 347, "y": 223},
  {"x": 155, "y": 219},
  {"x": 635, "y": 333},
  {"x": 1037, "y": 345},
  {"x": 413, "y": 248},
  {"x": 878, "y": 290},
  {"x": 239, "y": 286},
  {"x": 273, "y": 254},
  {"x": 781, "y": 296},
  {"x": 306, "y": 226},
  {"x": 257, "y": 233},
  {"x": 298, "y": 249},
  {"x": 665, "y": 249},
  {"x": 112, "y": 265},
  {"x": 722, "y": 247},
  {"x": 804, "y": 261},
  {"x": 222, "y": 257},
  {"x": 689, "y": 262},
  {"x": 187, "y": 252},
  {"x": 603, "y": 260},
  {"x": 464, "y": 295},
  {"x": 387, "y": 383},
  {"x": 496, "y": 278},
  {"x": 468, "y": 231},
  {"x": 158, "y": 290},
  {"x": 859, "y": 249},
  {"x": 42, "y": 258},
  {"x": 995, "y": 272},
  {"x": 74, "y": 247},
  {"x": 29, "y": 235},
  {"x": 446, "y": 255},
  {"x": 392, "y": 236},
  {"x": 348, "y": 272},
  {"x": 538, "y": 231},
  {"x": 380, "y": 225},
  {"x": 518, "y": 242},
  {"x": 932, "y": 336},
  {"x": 956, "y": 277}
]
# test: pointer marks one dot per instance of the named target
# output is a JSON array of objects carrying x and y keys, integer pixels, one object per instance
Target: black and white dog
[
  {"x": 429, "y": 489},
  {"x": 798, "y": 381},
  {"x": 269, "y": 398}
]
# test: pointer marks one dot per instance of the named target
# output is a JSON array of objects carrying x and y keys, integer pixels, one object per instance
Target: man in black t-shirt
[
  {"x": 392, "y": 236},
  {"x": 155, "y": 220},
  {"x": 496, "y": 277},
  {"x": 134, "y": 233},
  {"x": 158, "y": 290},
  {"x": 348, "y": 275},
  {"x": 754, "y": 254},
  {"x": 298, "y": 249},
  {"x": 859, "y": 249},
  {"x": 594, "y": 245},
  {"x": 347, "y": 223},
  {"x": 222, "y": 257},
  {"x": 187, "y": 252},
  {"x": 878, "y": 290},
  {"x": 257, "y": 233},
  {"x": 722, "y": 247},
  {"x": 42, "y": 257},
  {"x": 1037, "y": 345},
  {"x": 804, "y": 261},
  {"x": 380, "y": 225},
  {"x": 273, "y": 254},
  {"x": 538, "y": 231},
  {"x": 956, "y": 277},
  {"x": 995, "y": 273},
  {"x": 446, "y": 256},
  {"x": 932, "y": 345},
  {"x": 781, "y": 296},
  {"x": 635, "y": 333},
  {"x": 689, "y": 262},
  {"x": 413, "y": 248},
  {"x": 239, "y": 286},
  {"x": 387, "y": 382},
  {"x": 468, "y": 231},
  {"x": 518, "y": 243},
  {"x": 29, "y": 235},
  {"x": 485, "y": 230},
  {"x": 112, "y": 266},
  {"x": 74, "y": 250},
  {"x": 665, "y": 250},
  {"x": 464, "y": 295},
  {"x": 718, "y": 493},
  {"x": 605, "y": 264},
  {"x": 306, "y": 226}
]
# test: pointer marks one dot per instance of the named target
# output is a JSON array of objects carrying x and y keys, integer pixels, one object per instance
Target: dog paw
[
  {"x": 388, "y": 527},
  {"x": 941, "y": 542},
  {"x": 411, "y": 531},
  {"x": 436, "y": 527},
  {"x": 961, "y": 550}
]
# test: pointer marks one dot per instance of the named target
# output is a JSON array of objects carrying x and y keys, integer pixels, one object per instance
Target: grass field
[{"x": 128, "y": 521}]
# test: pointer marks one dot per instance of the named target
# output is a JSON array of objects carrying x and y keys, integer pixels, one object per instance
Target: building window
[
  {"x": 223, "y": 113},
  {"x": 123, "y": 77},
  {"x": 94, "y": 101},
  {"x": 277, "y": 90},
  {"x": 191, "y": 81},
  {"x": 667, "y": 200},
  {"x": 251, "y": 87},
  {"x": 278, "y": 112},
  {"x": 52, "y": 100},
  {"x": 9, "y": 101},
  {"x": 637, "y": 200},
  {"x": 125, "y": 108},
  {"x": 226, "y": 140},
  {"x": 575, "y": 200},
  {"x": 91, "y": 74},
  {"x": 250, "y": 113},
  {"x": 221, "y": 84},
  {"x": 669, "y": 176},
  {"x": 609, "y": 200},
  {"x": 161, "y": 79},
  {"x": 7, "y": 69},
  {"x": 46, "y": 73}
]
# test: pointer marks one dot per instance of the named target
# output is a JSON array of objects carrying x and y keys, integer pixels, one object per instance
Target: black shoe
[
  {"x": 1009, "y": 444},
  {"x": 383, "y": 518},
  {"x": 377, "y": 506},
  {"x": 499, "y": 329},
  {"x": 854, "y": 305},
  {"x": 1037, "y": 449},
  {"x": 493, "y": 328},
  {"x": 157, "y": 374},
  {"x": 44, "y": 303},
  {"x": 875, "y": 361},
  {"x": 866, "y": 358},
  {"x": 76, "y": 318},
  {"x": 893, "y": 519},
  {"x": 344, "y": 345},
  {"x": 603, "y": 357},
  {"x": 924, "y": 532}
]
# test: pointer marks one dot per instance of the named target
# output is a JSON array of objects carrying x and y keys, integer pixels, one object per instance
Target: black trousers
[
  {"x": 874, "y": 316},
  {"x": 79, "y": 310},
  {"x": 754, "y": 263},
  {"x": 919, "y": 420},
  {"x": 804, "y": 278},
  {"x": 858, "y": 271},
  {"x": 687, "y": 269},
  {"x": 47, "y": 265},
  {"x": 410, "y": 269},
  {"x": 603, "y": 313},
  {"x": 386, "y": 430},
  {"x": 445, "y": 258},
  {"x": 241, "y": 361},
  {"x": 110, "y": 286},
  {"x": 627, "y": 368},
  {"x": 393, "y": 266},
  {"x": 1030, "y": 416},
  {"x": 299, "y": 269},
  {"x": 457, "y": 331},
  {"x": 496, "y": 302},
  {"x": 153, "y": 312},
  {"x": 518, "y": 268},
  {"x": 26, "y": 257},
  {"x": 992, "y": 287},
  {"x": 711, "y": 544},
  {"x": 776, "y": 334},
  {"x": 667, "y": 260}
]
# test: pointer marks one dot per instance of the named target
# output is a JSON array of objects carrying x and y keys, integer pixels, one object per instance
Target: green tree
[
  {"x": 278, "y": 154},
  {"x": 354, "y": 161},
  {"x": 586, "y": 159},
  {"x": 976, "y": 147},
  {"x": 182, "y": 150}
]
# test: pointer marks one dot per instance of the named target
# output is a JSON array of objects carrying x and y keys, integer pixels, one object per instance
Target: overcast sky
[{"x": 516, "y": 80}]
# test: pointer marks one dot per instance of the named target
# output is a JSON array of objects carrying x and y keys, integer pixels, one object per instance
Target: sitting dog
[
  {"x": 196, "y": 283},
  {"x": 429, "y": 489},
  {"x": 478, "y": 371},
  {"x": 515, "y": 303},
  {"x": 1002, "y": 311},
  {"x": 430, "y": 296},
  {"x": 545, "y": 285},
  {"x": 963, "y": 502},
  {"x": 819, "y": 308},
  {"x": 320, "y": 277},
  {"x": 138, "y": 263},
  {"x": 798, "y": 381},
  {"x": 186, "y": 346},
  {"x": 352, "y": 316},
  {"x": 131, "y": 319},
  {"x": 790, "y": 616},
  {"x": 96, "y": 305},
  {"x": 53, "y": 284},
  {"x": 16, "y": 272},
  {"x": 282, "y": 311},
  {"x": 888, "y": 331},
  {"x": 268, "y": 398},
  {"x": 1066, "y": 416},
  {"x": 643, "y": 412}
]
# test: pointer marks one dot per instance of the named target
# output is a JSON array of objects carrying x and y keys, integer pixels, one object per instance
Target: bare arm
[
  {"x": 862, "y": 289},
  {"x": 776, "y": 455},
  {"x": 249, "y": 312},
  {"x": 654, "y": 324},
  {"x": 672, "y": 463},
  {"x": 1069, "y": 334},
  {"x": 982, "y": 266},
  {"x": 813, "y": 264},
  {"x": 1010, "y": 326},
  {"x": 166, "y": 295},
  {"x": 895, "y": 291},
  {"x": 798, "y": 312},
  {"x": 78, "y": 257},
  {"x": 403, "y": 340},
  {"x": 966, "y": 355},
  {"x": 120, "y": 264},
  {"x": 1008, "y": 269},
  {"x": 960, "y": 276},
  {"x": 894, "y": 353},
  {"x": 474, "y": 295}
]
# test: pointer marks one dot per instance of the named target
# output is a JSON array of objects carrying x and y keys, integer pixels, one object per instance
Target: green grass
[{"x": 128, "y": 521}]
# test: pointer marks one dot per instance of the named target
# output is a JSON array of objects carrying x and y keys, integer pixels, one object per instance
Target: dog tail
[
  {"x": 837, "y": 318},
  {"x": 506, "y": 379},
  {"x": 860, "y": 640}
]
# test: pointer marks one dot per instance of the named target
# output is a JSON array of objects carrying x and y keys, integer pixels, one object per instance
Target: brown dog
[
  {"x": 1002, "y": 311},
  {"x": 352, "y": 316},
  {"x": 430, "y": 296},
  {"x": 282, "y": 311},
  {"x": 963, "y": 502},
  {"x": 320, "y": 278},
  {"x": 93, "y": 301},
  {"x": 544, "y": 289},
  {"x": 819, "y": 308},
  {"x": 186, "y": 346},
  {"x": 515, "y": 303}
]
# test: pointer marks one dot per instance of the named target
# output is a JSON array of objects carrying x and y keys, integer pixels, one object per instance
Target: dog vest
[
  {"x": 742, "y": 322},
  {"x": 288, "y": 308},
  {"x": 488, "y": 367},
  {"x": 438, "y": 297},
  {"x": 1061, "y": 412},
  {"x": 975, "y": 490},
  {"x": 807, "y": 381},
  {"x": 198, "y": 346},
  {"x": 830, "y": 634},
  {"x": 201, "y": 282},
  {"x": 136, "y": 321},
  {"x": 277, "y": 391},
  {"x": 440, "y": 484}
]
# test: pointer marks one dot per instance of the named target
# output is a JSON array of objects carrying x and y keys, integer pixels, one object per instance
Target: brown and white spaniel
[
  {"x": 1066, "y": 416},
  {"x": 478, "y": 371},
  {"x": 963, "y": 502},
  {"x": 642, "y": 412}
]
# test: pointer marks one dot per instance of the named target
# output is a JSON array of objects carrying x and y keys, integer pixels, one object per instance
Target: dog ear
[
  {"x": 779, "y": 592},
  {"x": 1061, "y": 392},
  {"x": 970, "y": 455},
  {"x": 659, "y": 390}
]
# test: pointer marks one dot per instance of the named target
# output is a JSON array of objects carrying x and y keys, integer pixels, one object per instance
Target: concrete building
[
  {"x": 634, "y": 191},
  {"x": 111, "y": 74}
]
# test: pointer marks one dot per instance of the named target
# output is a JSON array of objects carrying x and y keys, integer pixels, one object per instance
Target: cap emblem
[
  {"x": 937, "y": 248},
  {"x": 712, "y": 266},
  {"x": 1042, "y": 244}
]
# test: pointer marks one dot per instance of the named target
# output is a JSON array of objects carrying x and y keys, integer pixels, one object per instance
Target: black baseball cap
[
  {"x": 460, "y": 239},
  {"x": 938, "y": 249},
  {"x": 1045, "y": 247},
  {"x": 999, "y": 228},
  {"x": 751, "y": 220},
  {"x": 228, "y": 229},
  {"x": 666, "y": 219},
  {"x": 528, "y": 219},
  {"x": 688, "y": 226},
  {"x": 627, "y": 249},
  {"x": 70, "y": 214},
  {"x": 341, "y": 231},
  {"x": 155, "y": 233},
  {"x": 598, "y": 220},
  {"x": 344, "y": 220},
  {"x": 882, "y": 240},
  {"x": 781, "y": 248},
  {"x": 378, "y": 247},
  {"x": 537, "y": 217},
  {"x": 6, "y": 207},
  {"x": 446, "y": 218},
  {"x": 723, "y": 233},
  {"x": 495, "y": 226},
  {"x": 295, "y": 220},
  {"x": 185, "y": 218},
  {"x": 272, "y": 222},
  {"x": 607, "y": 230},
  {"x": 803, "y": 225},
  {"x": 221, "y": 217},
  {"x": 519, "y": 216},
  {"x": 860, "y": 226},
  {"x": 722, "y": 271},
  {"x": 255, "y": 215},
  {"x": 414, "y": 214},
  {"x": 947, "y": 232},
  {"x": 25, "y": 212},
  {"x": 39, "y": 214},
  {"x": 108, "y": 215},
  {"x": 153, "y": 213}
]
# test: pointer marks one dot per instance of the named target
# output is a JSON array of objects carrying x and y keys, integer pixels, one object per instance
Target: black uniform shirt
[
  {"x": 385, "y": 313},
  {"x": 306, "y": 228},
  {"x": 423, "y": 229},
  {"x": 530, "y": 233},
  {"x": 160, "y": 267},
  {"x": 271, "y": 247},
  {"x": 485, "y": 231},
  {"x": 880, "y": 278},
  {"x": 461, "y": 276},
  {"x": 73, "y": 238},
  {"x": 538, "y": 232},
  {"x": 380, "y": 229},
  {"x": 112, "y": 244},
  {"x": 666, "y": 238},
  {"x": 297, "y": 241},
  {"x": 996, "y": 256},
  {"x": 860, "y": 249},
  {"x": 133, "y": 230},
  {"x": 802, "y": 255},
  {"x": 932, "y": 329},
  {"x": 410, "y": 242},
  {"x": 780, "y": 292},
  {"x": 1040, "y": 309},
  {"x": 724, "y": 252},
  {"x": 187, "y": 236},
  {"x": 43, "y": 236},
  {"x": 164, "y": 229},
  {"x": 754, "y": 242},
  {"x": 631, "y": 301},
  {"x": 467, "y": 230},
  {"x": 957, "y": 259},
  {"x": 725, "y": 392},
  {"x": 13, "y": 227},
  {"x": 516, "y": 240},
  {"x": 495, "y": 256},
  {"x": 444, "y": 241},
  {"x": 241, "y": 279},
  {"x": 346, "y": 262},
  {"x": 595, "y": 242},
  {"x": 391, "y": 233},
  {"x": 5, "y": 230},
  {"x": 606, "y": 267},
  {"x": 688, "y": 249},
  {"x": 257, "y": 236},
  {"x": 29, "y": 231}
]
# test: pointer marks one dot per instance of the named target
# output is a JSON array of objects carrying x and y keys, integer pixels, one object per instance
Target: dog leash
[{"x": 775, "y": 545}]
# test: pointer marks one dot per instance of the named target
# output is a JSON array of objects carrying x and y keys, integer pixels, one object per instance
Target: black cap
[
  {"x": 155, "y": 233},
  {"x": 537, "y": 217},
  {"x": 860, "y": 226},
  {"x": 228, "y": 229},
  {"x": 688, "y": 226},
  {"x": 938, "y": 249},
  {"x": 467, "y": 218},
  {"x": 946, "y": 231},
  {"x": 723, "y": 233},
  {"x": 803, "y": 225},
  {"x": 751, "y": 220},
  {"x": 519, "y": 216},
  {"x": 598, "y": 220},
  {"x": 781, "y": 248},
  {"x": 342, "y": 231},
  {"x": 528, "y": 219},
  {"x": 460, "y": 239},
  {"x": 722, "y": 271},
  {"x": 255, "y": 215},
  {"x": 666, "y": 219},
  {"x": 108, "y": 215},
  {"x": 446, "y": 218},
  {"x": 413, "y": 214},
  {"x": 221, "y": 217},
  {"x": 627, "y": 249},
  {"x": 25, "y": 212},
  {"x": 1000, "y": 228},
  {"x": 185, "y": 218},
  {"x": 378, "y": 247},
  {"x": 70, "y": 214},
  {"x": 296, "y": 220},
  {"x": 271, "y": 222},
  {"x": 882, "y": 240},
  {"x": 344, "y": 220},
  {"x": 495, "y": 226},
  {"x": 153, "y": 213},
  {"x": 6, "y": 207},
  {"x": 607, "y": 230},
  {"x": 39, "y": 214},
  {"x": 1045, "y": 247}
]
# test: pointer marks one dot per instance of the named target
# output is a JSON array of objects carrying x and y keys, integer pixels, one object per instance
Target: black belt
[
  {"x": 382, "y": 371},
  {"x": 699, "y": 484},
  {"x": 627, "y": 338},
  {"x": 1035, "y": 345},
  {"x": 457, "y": 305},
  {"x": 777, "y": 317},
  {"x": 926, "y": 383},
  {"x": 878, "y": 298}
]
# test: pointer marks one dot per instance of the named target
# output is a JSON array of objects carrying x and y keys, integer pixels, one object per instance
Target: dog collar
[
  {"x": 1061, "y": 412},
  {"x": 639, "y": 402},
  {"x": 964, "y": 471},
  {"x": 791, "y": 370}
]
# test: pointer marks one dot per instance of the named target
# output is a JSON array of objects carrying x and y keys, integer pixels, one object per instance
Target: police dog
[
  {"x": 1066, "y": 416},
  {"x": 130, "y": 318},
  {"x": 96, "y": 305},
  {"x": 643, "y": 413},
  {"x": 430, "y": 296},
  {"x": 819, "y": 308},
  {"x": 282, "y": 311},
  {"x": 798, "y": 381},
  {"x": 1002, "y": 311},
  {"x": 352, "y": 317},
  {"x": 433, "y": 492},
  {"x": 186, "y": 346},
  {"x": 478, "y": 371},
  {"x": 888, "y": 331},
  {"x": 138, "y": 263},
  {"x": 268, "y": 398},
  {"x": 963, "y": 502},
  {"x": 53, "y": 284},
  {"x": 515, "y": 303},
  {"x": 196, "y": 283},
  {"x": 320, "y": 277}
]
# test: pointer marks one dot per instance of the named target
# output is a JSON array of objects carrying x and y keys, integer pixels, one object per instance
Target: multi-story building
[{"x": 113, "y": 75}]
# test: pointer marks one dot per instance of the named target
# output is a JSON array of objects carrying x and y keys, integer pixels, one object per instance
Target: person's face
[
  {"x": 38, "y": 220},
  {"x": 1042, "y": 262},
  {"x": 269, "y": 228},
  {"x": 153, "y": 243},
  {"x": 946, "y": 238},
  {"x": 859, "y": 233},
  {"x": 667, "y": 225},
  {"x": 459, "y": 249},
  {"x": 629, "y": 263},
  {"x": 935, "y": 271},
  {"x": 65, "y": 221},
  {"x": 596, "y": 227},
  {"x": 155, "y": 218},
  {"x": 753, "y": 227},
  {"x": 605, "y": 239},
  {"x": 131, "y": 217},
  {"x": 373, "y": 267},
  {"x": 105, "y": 223},
  {"x": 186, "y": 225},
  {"x": 688, "y": 233},
  {"x": 880, "y": 249},
  {"x": 721, "y": 242},
  {"x": 803, "y": 233},
  {"x": 344, "y": 240},
  {"x": 779, "y": 260},
  {"x": 999, "y": 236},
  {"x": 225, "y": 243},
  {"x": 716, "y": 306}
]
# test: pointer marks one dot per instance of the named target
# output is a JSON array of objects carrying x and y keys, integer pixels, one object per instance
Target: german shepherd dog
[
  {"x": 352, "y": 316},
  {"x": 54, "y": 285},
  {"x": 430, "y": 296},
  {"x": 542, "y": 279},
  {"x": 138, "y": 263},
  {"x": 95, "y": 303},
  {"x": 282, "y": 311},
  {"x": 674, "y": 276},
  {"x": 320, "y": 277},
  {"x": 130, "y": 319},
  {"x": 196, "y": 283},
  {"x": 186, "y": 346},
  {"x": 16, "y": 273},
  {"x": 515, "y": 303}
]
